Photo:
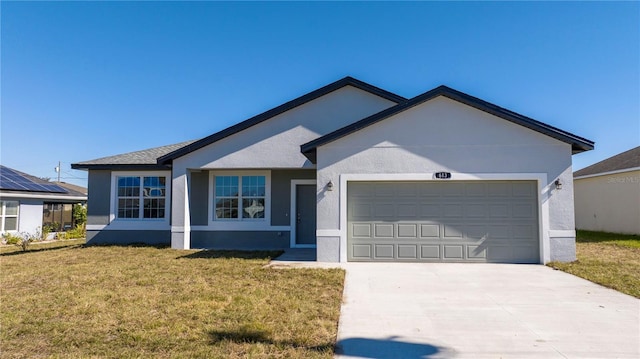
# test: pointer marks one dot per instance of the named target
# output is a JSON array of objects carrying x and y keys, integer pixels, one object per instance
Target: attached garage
[{"x": 443, "y": 221}]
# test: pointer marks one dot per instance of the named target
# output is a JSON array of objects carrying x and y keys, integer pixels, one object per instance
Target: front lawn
[
  {"x": 117, "y": 301},
  {"x": 609, "y": 259}
]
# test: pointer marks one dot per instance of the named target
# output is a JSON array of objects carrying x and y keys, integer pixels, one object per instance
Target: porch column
[{"x": 180, "y": 222}]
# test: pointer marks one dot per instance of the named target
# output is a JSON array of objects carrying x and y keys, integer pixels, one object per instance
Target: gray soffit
[
  {"x": 578, "y": 144},
  {"x": 619, "y": 162},
  {"x": 347, "y": 81},
  {"x": 145, "y": 159}
]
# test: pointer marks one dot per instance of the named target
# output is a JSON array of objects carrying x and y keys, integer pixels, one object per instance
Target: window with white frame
[
  {"x": 141, "y": 197},
  {"x": 239, "y": 197},
  {"x": 9, "y": 216}
]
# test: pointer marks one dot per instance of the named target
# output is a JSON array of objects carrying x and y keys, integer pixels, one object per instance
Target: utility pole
[{"x": 58, "y": 170}]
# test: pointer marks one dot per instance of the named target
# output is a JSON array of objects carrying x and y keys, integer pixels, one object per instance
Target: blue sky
[{"x": 82, "y": 80}]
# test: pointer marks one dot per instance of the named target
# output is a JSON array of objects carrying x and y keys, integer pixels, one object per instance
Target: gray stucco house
[{"x": 357, "y": 172}]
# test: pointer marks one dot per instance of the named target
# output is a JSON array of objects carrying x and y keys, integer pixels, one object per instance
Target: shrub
[
  {"x": 79, "y": 214},
  {"x": 10, "y": 238},
  {"x": 79, "y": 232}
]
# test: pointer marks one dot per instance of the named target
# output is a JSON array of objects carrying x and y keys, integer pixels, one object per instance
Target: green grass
[
  {"x": 609, "y": 259},
  {"x": 42, "y": 246},
  {"x": 626, "y": 240},
  {"x": 125, "y": 302}
]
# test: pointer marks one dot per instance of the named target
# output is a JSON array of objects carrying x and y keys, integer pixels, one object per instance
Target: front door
[{"x": 305, "y": 215}]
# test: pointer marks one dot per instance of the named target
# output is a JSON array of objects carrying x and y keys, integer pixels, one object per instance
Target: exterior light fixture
[
  {"x": 558, "y": 184},
  {"x": 330, "y": 186}
]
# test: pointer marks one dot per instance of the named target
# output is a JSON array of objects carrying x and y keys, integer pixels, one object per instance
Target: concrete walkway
[{"x": 482, "y": 311}]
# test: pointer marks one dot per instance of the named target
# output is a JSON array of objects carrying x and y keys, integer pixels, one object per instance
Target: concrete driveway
[{"x": 482, "y": 311}]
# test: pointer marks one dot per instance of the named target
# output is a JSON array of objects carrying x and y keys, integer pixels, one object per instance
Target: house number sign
[{"x": 442, "y": 175}]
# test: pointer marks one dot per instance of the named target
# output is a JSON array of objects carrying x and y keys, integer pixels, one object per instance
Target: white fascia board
[
  {"x": 44, "y": 198},
  {"x": 608, "y": 173}
]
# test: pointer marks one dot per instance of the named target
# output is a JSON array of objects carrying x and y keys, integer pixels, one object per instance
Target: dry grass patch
[
  {"x": 612, "y": 260},
  {"x": 158, "y": 302}
]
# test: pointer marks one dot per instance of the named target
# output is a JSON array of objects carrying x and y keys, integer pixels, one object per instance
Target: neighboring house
[
  {"x": 357, "y": 172},
  {"x": 27, "y": 203},
  {"x": 607, "y": 194}
]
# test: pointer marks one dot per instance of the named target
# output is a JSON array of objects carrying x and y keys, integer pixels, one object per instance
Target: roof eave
[
  {"x": 346, "y": 81},
  {"x": 578, "y": 144},
  {"x": 119, "y": 167}
]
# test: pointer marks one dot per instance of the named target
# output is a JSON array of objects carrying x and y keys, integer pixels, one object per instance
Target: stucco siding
[
  {"x": 609, "y": 203},
  {"x": 281, "y": 193},
  {"x": 128, "y": 237},
  {"x": 276, "y": 142},
  {"x": 99, "y": 201},
  {"x": 29, "y": 215},
  {"x": 444, "y": 135},
  {"x": 199, "y": 201},
  {"x": 240, "y": 239}
]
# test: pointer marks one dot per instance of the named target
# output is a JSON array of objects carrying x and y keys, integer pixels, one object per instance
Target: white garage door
[{"x": 442, "y": 221}]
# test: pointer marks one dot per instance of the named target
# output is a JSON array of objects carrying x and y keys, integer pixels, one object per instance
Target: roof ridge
[{"x": 578, "y": 143}]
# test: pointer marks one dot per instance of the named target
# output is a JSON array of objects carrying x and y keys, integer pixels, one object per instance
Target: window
[
  {"x": 239, "y": 197},
  {"x": 57, "y": 216},
  {"x": 141, "y": 197},
  {"x": 8, "y": 216}
]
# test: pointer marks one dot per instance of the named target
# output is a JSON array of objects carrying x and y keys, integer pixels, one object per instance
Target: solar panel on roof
[{"x": 16, "y": 181}]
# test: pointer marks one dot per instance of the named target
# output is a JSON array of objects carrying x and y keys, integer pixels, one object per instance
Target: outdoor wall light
[
  {"x": 330, "y": 186},
  {"x": 558, "y": 184}
]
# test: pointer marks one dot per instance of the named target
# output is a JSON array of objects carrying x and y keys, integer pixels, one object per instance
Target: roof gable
[
  {"x": 578, "y": 144},
  {"x": 346, "y": 81},
  {"x": 622, "y": 161}
]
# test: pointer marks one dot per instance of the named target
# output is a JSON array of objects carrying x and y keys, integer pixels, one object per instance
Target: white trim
[
  {"x": 139, "y": 223},
  {"x": 4, "y": 216},
  {"x": 293, "y": 216},
  {"x": 328, "y": 233},
  {"x": 562, "y": 233},
  {"x": 608, "y": 173},
  {"x": 43, "y": 197},
  {"x": 96, "y": 227},
  {"x": 543, "y": 198},
  {"x": 261, "y": 224},
  {"x": 266, "y": 229}
]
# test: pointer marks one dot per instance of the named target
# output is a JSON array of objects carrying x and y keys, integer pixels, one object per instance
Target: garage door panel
[
  {"x": 384, "y": 251},
  {"x": 452, "y": 231},
  {"x": 430, "y": 252},
  {"x": 475, "y": 210},
  {"x": 384, "y": 230},
  {"x": 407, "y": 211},
  {"x": 360, "y": 211},
  {"x": 361, "y": 251},
  {"x": 476, "y": 252},
  {"x": 407, "y": 230},
  {"x": 430, "y": 230},
  {"x": 384, "y": 211},
  {"x": 492, "y": 221},
  {"x": 476, "y": 189},
  {"x": 429, "y": 210},
  {"x": 523, "y": 210},
  {"x": 362, "y": 230},
  {"x": 407, "y": 251},
  {"x": 453, "y": 252}
]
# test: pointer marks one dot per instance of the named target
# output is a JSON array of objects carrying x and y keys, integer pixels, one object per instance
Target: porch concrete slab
[{"x": 411, "y": 310}]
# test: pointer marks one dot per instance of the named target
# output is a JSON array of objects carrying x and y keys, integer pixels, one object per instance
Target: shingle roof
[
  {"x": 73, "y": 189},
  {"x": 621, "y": 161},
  {"x": 578, "y": 144},
  {"x": 346, "y": 81},
  {"x": 144, "y": 158}
]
